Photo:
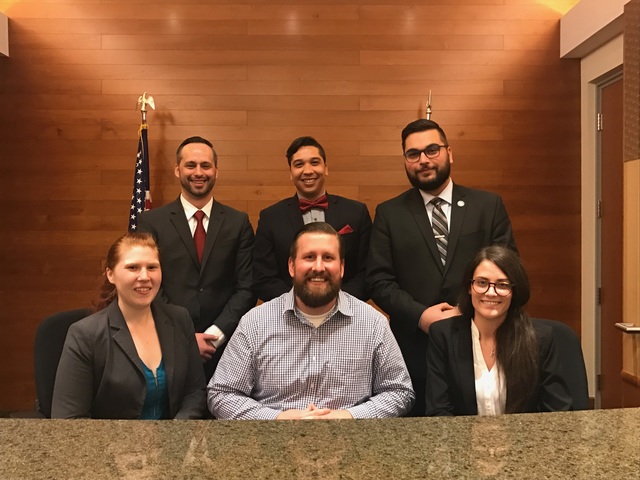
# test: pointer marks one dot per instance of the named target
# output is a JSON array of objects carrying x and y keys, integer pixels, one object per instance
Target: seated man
[{"x": 315, "y": 352}]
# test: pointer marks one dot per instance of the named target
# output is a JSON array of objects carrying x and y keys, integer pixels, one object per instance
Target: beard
[
  {"x": 441, "y": 175},
  {"x": 200, "y": 193},
  {"x": 313, "y": 298}
]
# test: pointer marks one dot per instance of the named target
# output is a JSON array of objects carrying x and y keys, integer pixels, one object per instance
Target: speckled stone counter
[{"x": 579, "y": 445}]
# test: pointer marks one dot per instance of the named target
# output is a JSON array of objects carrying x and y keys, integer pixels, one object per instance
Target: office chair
[
  {"x": 49, "y": 341},
  {"x": 572, "y": 362}
]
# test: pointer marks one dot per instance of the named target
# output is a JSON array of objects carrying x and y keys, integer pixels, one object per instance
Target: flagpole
[
  {"x": 429, "y": 107},
  {"x": 141, "y": 196}
]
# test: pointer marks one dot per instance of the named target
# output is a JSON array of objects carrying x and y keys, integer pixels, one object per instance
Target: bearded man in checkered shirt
[{"x": 315, "y": 352}]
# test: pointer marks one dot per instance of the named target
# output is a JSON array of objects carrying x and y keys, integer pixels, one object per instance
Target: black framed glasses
[
  {"x": 431, "y": 151},
  {"x": 482, "y": 285}
]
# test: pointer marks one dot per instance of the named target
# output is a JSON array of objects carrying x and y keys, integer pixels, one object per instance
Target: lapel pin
[{"x": 461, "y": 203}]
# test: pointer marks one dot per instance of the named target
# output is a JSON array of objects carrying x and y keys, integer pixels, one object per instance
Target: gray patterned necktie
[{"x": 440, "y": 227}]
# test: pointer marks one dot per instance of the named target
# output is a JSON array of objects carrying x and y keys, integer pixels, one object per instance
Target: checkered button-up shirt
[{"x": 276, "y": 360}]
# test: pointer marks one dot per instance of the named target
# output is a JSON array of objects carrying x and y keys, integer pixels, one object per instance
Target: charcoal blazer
[
  {"x": 450, "y": 388},
  {"x": 100, "y": 374},
  {"x": 279, "y": 224},
  {"x": 405, "y": 274},
  {"x": 218, "y": 291}
]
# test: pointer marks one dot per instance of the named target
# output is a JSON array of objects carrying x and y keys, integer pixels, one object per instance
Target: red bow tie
[{"x": 306, "y": 205}]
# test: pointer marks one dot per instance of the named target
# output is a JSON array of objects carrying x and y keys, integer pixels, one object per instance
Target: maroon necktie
[
  {"x": 306, "y": 205},
  {"x": 199, "y": 236}
]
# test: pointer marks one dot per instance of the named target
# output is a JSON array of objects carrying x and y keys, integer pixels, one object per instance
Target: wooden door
[{"x": 611, "y": 185}]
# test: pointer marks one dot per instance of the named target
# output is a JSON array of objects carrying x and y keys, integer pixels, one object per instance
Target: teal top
[{"x": 156, "y": 402}]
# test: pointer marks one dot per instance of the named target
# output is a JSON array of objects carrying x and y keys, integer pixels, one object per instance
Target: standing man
[
  {"x": 279, "y": 223},
  {"x": 313, "y": 353},
  {"x": 422, "y": 241},
  {"x": 205, "y": 249}
]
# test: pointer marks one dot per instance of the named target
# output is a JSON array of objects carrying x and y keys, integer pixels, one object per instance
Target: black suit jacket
[
  {"x": 100, "y": 374},
  {"x": 279, "y": 224},
  {"x": 218, "y": 290},
  {"x": 404, "y": 272},
  {"x": 450, "y": 383}
]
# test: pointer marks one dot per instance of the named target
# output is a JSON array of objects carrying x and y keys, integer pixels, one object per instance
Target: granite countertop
[{"x": 578, "y": 445}]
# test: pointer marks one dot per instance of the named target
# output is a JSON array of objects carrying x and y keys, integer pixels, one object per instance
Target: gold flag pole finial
[
  {"x": 143, "y": 101},
  {"x": 429, "y": 106}
]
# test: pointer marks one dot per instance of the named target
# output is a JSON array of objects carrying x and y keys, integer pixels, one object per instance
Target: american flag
[{"x": 141, "y": 198}]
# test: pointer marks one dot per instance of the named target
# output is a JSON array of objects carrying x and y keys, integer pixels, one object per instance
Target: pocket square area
[{"x": 344, "y": 230}]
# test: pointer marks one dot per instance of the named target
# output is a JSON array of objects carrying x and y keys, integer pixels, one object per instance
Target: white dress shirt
[
  {"x": 190, "y": 210},
  {"x": 491, "y": 388}
]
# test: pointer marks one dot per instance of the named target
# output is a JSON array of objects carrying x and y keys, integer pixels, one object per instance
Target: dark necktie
[
  {"x": 306, "y": 205},
  {"x": 199, "y": 236},
  {"x": 440, "y": 228}
]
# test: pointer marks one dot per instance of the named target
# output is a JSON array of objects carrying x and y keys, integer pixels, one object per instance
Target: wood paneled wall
[{"x": 251, "y": 76}]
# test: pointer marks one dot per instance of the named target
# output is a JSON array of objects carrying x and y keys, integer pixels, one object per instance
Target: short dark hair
[
  {"x": 196, "y": 139},
  {"x": 300, "y": 142},
  {"x": 316, "y": 227},
  {"x": 422, "y": 125}
]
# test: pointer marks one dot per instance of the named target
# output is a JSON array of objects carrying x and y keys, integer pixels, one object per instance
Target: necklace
[{"x": 493, "y": 352}]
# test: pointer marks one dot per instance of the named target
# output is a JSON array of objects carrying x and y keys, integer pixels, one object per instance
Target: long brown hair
[
  {"x": 108, "y": 293},
  {"x": 516, "y": 342}
]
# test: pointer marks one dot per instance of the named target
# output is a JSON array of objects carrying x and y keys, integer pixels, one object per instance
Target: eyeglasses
[
  {"x": 431, "y": 151},
  {"x": 482, "y": 285}
]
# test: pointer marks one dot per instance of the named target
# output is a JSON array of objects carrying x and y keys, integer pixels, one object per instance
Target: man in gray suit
[
  {"x": 205, "y": 250},
  {"x": 417, "y": 257}
]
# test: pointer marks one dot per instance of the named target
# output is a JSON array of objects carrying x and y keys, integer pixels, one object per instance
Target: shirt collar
[
  {"x": 189, "y": 209},
  {"x": 446, "y": 194},
  {"x": 342, "y": 306}
]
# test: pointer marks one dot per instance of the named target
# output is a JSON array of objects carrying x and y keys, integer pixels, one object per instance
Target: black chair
[
  {"x": 572, "y": 362},
  {"x": 48, "y": 345}
]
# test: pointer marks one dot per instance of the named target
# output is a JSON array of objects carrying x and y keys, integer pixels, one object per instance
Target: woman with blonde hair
[{"x": 135, "y": 358}]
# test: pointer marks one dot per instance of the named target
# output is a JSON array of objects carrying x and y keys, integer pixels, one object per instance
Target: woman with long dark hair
[
  {"x": 492, "y": 359},
  {"x": 135, "y": 358}
]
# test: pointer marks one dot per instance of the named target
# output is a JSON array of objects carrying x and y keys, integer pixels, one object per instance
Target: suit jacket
[
  {"x": 218, "y": 291},
  {"x": 100, "y": 374},
  {"x": 451, "y": 380},
  {"x": 405, "y": 274},
  {"x": 279, "y": 224}
]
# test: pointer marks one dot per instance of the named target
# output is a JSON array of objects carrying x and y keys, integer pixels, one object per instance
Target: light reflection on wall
[
  {"x": 292, "y": 24},
  {"x": 560, "y": 6},
  {"x": 5, "y": 6}
]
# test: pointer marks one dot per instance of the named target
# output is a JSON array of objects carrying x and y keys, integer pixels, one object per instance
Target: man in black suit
[
  {"x": 211, "y": 280},
  {"x": 413, "y": 273},
  {"x": 279, "y": 224}
]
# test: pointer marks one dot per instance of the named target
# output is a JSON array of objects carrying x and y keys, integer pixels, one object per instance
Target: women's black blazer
[
  {"x": 451, "y": 380},
  {"x": 100, "y": 374}
]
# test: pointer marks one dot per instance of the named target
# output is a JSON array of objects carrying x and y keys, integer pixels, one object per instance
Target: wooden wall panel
[{"x": 252, "y": 75}]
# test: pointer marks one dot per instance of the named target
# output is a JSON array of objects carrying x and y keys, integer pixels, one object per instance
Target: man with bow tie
[{"x": 279, "y": 224}]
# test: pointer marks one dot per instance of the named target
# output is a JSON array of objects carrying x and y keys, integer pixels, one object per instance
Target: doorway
[{"x": 610, "y": 236}]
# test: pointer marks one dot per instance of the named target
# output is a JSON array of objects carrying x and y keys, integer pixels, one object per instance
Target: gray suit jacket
[{"x": 100, "y": 374}]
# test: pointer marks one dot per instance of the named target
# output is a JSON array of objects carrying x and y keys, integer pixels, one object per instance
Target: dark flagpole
[{"x": 141, "y": 196}]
